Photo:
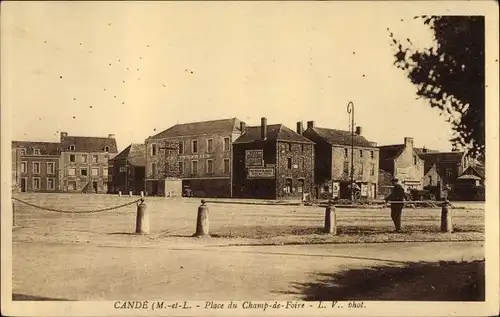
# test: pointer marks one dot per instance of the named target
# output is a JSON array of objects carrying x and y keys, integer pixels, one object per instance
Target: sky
[{"x": 134, "y": 69}]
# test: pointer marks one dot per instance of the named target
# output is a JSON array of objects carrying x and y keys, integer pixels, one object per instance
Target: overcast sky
[{"x": 135, "y": 69}]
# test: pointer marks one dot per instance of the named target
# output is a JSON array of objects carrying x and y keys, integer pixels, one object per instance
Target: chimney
[
  {"x": 63, "y": 135},
  {"x": 300, "y": 128},
  {"x": 359, "y": 130},
  {"x": 243, "y": 127},
  {"x": 111, "y": 136},
  {"x": 263, "y": 128},
  {"x": 310, "y": 124},
  {"x": 409, "y": 142},
  {"x": 424, "y": 149}
]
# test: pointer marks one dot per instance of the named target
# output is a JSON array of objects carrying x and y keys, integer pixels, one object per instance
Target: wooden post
[
  {"x": 142, "y": 221},
  {"x": 202, "y": 222},
  {"x": 446, "y": 219},
  {"x": 330, "y": 219}
]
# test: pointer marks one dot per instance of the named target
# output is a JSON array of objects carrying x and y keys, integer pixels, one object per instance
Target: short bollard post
[
  {"x": 130, "y": 193},
  {"x": 142, "y": 193},
  {"x": 142, "y": 222},
  {"x": 120, "y": 193},
  {"x": 330, "y": 219},
  {"x": 446, "y": 221},
  {"x": 202, "y": 223}
]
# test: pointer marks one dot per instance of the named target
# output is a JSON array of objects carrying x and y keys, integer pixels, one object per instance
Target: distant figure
[{"x": 397, "y": 194}]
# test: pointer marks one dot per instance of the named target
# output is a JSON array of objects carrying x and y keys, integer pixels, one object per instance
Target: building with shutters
[
  {"x": 333, "y": 157},
  {"x": 198, "y": 153},
  {"x": 272, "y": 162}
]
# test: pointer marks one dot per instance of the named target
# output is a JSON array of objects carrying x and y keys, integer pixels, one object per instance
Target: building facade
[
  {"x": 334, "y": 158},
  {"x": 127, "y": 170},
  {"x": 198, "y": 153},
  {"x": 35, "y": 166},
  {"x": 401, "y": 161},
  {"x": 84, "y": 163},
  {"x": 272, "y": 162}
]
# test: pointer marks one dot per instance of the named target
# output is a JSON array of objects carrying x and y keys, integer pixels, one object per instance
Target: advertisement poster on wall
[{"x": 335, "y": 189}]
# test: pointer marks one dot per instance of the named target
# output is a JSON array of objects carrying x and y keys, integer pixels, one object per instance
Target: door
[
  {"x": 23, "y": 185},
  {"x": 94, "y": 186},
  {"x": 154, "y": 188}
]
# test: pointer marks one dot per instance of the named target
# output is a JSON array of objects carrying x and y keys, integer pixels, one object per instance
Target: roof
[
  {"x": 390, "y": 151},
  {"x": 46, "y": 148},
  {"x": 479, "y": 170},
  {"x": 134, "y": 153},
  {"x": 200, "y": 128},
  {"x": 88, "y": 144},
  {"x": 275, "y": 132},
  {"x": 448, "y": 157},
  {"x": 424, "y": 150},
  {"x": 341, "y": 137},
  {"x": 470, "y": 177}
]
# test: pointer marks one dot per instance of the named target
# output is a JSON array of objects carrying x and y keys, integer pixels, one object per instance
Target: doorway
[
  {"x": 23, "y": 185},
  {"x": 94, "y": 186}
]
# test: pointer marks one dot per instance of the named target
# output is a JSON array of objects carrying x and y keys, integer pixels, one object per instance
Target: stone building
[
  {"x": 84, "y": 162},
  {"x": 127, "y": 170},
  {"x": 333, "y": 162},
  {"x": 35, "y": 166},
  {"x": 401, "y": 161},
  {"x": 272, "y": 162},
  {"x": 198, "y": 153}
]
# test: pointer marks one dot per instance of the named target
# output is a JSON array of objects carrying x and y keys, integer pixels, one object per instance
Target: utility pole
[{"x": 350, "y": 111}]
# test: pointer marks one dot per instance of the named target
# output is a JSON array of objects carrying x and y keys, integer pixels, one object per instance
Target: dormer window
[
  {"x": 71, "y": 147},
  {"x": 36, "y": 151},
  {"x": 106, "y": 149}
]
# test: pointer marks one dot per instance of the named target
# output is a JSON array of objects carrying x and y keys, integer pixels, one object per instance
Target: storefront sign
[
  {"x": 254, "y": 158},
  {"x": 335, "y": 189},
  {"x": 265, "y": 172},
  {"x": 194, "y": 156}
]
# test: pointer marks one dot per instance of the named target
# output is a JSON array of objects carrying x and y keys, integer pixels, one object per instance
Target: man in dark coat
[{"x": 396, "y": 198}]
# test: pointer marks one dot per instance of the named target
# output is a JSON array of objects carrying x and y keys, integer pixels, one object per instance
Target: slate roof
[
  {"x": 448, "y": 157},
  {"x": 46, "y": 148},
  {"x": 341, "y": 137},
  {"x": 134, "y": 153},
  {"x": 479, "y": 170},
  {"x": 390, "y": 151},
  {"x": 88, "y": 144},
  {"x": 200, "y": 128},
  {"x": 275, "y": 132}
]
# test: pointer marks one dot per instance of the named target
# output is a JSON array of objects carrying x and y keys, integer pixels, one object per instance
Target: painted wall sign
[
  {"x": 335, "y": 189},
  {"x": 194, "y": 156},
  {"x": 264, "y": 172},
  {"x": 254, "y": 158}
]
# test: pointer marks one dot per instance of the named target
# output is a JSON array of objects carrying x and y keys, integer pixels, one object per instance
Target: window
[
  {"x": 346, "y": 167},
  {"x": 181, "y": 167},
  {"x": 72, "y": 158},
  {"x": 226, "y": 144},
  {"x": 95, "y": 158},
  {"x": 371, "y": 154},
  {"x": 105, "y": 185},
  {"x": 194, "y": 167},
  {"x": 104, "y": 172},
  {"x": 22, "y": 152},
  {"x": 360, "y": 153},
  {"x": 84, "y": 158},
  {"x": 226, "y": 166},
  {"x": 36, "y": 151},
  {"x": 346, "y": 152},
  {"x": 288, "y": 185},
  {"x": 71, "y": 171},
  {"x": 36, "y": 183},
  {"x": 300, "y": 186},
  {"x": 302, "y": 147},
  {"x": 36, "y": 168},
  {"x": 372, "y": 169},
  {"x": 153, "y": 149},
  {"x": 210, "y": 166},
  {"x": 449, "y": 173},
  {"x": 289, "y": 162},
  {"x": 414, "y": 160},
  {"x": 289, "y": 146},
  {"x": 23, "y": 167},
  {"x": 181, "y": 147},
  {"x": 194, "y": 146},
  {"x": 50, "y": 183},
  {"x": 361, "y": 169},
  {"x": 83, "y": 172},
  {"x": 153, "y": 169},
  {"x": 95, "y": 172},
  {"x": 210, "y": 145},
  {"x": 106, "y": 149},
  {"x": 50, "y": 168},
  {"x": 72, "y": 185},
  {"x": 430, "y": 180},
  {"x": 301, "y": 163},
  {"x": 71, "y": 147}
]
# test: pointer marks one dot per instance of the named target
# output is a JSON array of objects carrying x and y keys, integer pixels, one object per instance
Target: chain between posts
[{"x": 77, "y": 212}]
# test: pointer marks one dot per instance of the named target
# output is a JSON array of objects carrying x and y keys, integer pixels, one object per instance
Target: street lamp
[{"x": 350, "y": 111}]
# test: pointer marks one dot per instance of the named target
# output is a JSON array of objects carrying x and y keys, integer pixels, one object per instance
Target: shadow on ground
[
  {"x": 16, "y": 297},
  {"x": 418, "y": 281}
]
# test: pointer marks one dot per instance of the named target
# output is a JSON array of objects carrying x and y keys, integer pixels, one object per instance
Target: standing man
[{"x": 396, "y": 198}]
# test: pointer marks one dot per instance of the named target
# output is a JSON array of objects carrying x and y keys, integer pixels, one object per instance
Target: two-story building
[
  {"x": 198, "y": 153},
  {"x": 35, "y": 166},
  {"x": 127, "y": 170},
  {"x": 401, "y": 161},
  {"x": 84, "y": 162},
  {"x": 336, "y": 153},
  {"x": 272, "y": 162}
]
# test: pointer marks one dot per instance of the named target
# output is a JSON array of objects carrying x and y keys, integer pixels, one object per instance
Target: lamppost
[{"x": 350, "y": 111}]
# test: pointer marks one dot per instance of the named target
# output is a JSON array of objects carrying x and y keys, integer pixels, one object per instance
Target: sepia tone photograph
[{"x": 279, "y": 158}]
